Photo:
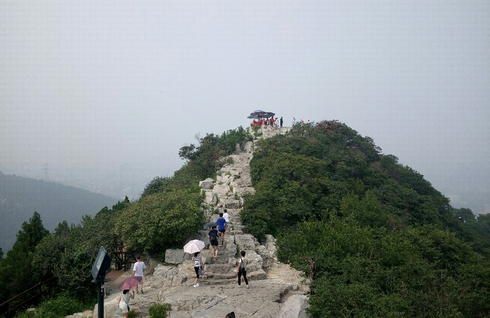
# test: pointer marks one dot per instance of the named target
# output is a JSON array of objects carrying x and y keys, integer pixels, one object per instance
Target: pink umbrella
[
  {"x": 130, "y": 282},
  {"x": 194, "y": 246}
]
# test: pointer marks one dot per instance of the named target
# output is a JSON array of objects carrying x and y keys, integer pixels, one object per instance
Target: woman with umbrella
[
  {"x": 197, "y": 259},
  {"x": 194, "y": 247},
  {"x": 124, "y": 300},
  {"x": 126, "y": 296}
]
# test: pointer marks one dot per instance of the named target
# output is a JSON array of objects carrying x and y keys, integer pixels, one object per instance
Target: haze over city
[{"x": 102, "y": 95}]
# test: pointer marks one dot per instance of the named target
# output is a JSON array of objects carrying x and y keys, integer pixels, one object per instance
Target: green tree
[
  {"x": 156, "y": 185},
  {"x": 205, "y": 158},
  {"x": 162, "y": 220},
  {"x": 17, "y": 274},
  {"x": 70, "y": 251},
  {"x": 464, "y": 215}
]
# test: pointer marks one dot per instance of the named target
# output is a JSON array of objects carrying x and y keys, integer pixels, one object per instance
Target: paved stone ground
[{"x": 276, "y": 290}]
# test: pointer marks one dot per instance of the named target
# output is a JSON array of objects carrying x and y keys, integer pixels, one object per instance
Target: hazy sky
[{"x": 107, "y": 84}]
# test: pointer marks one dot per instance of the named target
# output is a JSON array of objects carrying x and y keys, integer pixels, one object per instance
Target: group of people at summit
[{"x": 273, "y": 122}]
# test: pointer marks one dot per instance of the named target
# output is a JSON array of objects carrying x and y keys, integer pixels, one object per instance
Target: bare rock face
[
  {"x": 168, "y": 276},
  {"x": 295, "y": 307},
  {"x": 246, "y": 242},
  {"x": 207, "y": 184},
  {"x": 85, "y": 314},
  {"x": 174, "y": 256},
  {"x": 110, "y": 308}
]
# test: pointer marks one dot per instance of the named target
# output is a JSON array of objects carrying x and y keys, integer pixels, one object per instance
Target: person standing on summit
[{"x": 221, "y": 222}]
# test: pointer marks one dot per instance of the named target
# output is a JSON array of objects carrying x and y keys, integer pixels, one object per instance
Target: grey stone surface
[
  {"x": 207, "y": 184},
  {"x": 110, "y": 308},
  {"x": 294, "y": 307},
  {"x": 174, "y": 256}
]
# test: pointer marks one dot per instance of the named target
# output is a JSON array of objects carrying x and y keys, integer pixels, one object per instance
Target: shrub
[
  {"x": 59, "y": 307},
  {"x": 159, "y": 310}
]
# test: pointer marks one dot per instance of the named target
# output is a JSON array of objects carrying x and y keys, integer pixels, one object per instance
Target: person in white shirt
[
  {"x": 226, "y": 216},
  {"x": 138, "y": 268}
]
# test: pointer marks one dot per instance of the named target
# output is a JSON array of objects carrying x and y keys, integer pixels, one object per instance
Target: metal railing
[{"x": 32, "y": 296}]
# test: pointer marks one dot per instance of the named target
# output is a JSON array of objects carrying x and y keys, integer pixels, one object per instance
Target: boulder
[
  {"x": 85, "y": 314},
  {"x": 294, "y": 307},
  {"x": 208, "y": 196},
  {"x": 268, "y": 256},
  {"x": 207, "y": 184},
  {"x": 232, "y": 204},
  {"x": 246, "y": 242},
  {"x": 174, "y": 256},
  {"x": 110, "y": 308},
  {"x": 249, "y": 146}
]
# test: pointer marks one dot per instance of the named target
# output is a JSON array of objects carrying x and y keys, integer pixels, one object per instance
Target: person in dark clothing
[
  {"x": 242, "y": 269},
  {"x": 213, "y": 239}
]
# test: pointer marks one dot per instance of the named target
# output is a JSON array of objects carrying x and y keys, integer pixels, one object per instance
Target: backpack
[{"x": 212, "y": 236}]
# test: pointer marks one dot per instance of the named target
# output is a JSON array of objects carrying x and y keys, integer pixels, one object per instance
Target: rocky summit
[{"x": 275, "y": 289}]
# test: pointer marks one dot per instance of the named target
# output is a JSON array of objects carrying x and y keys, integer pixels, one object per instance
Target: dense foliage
[
  {"x": 306, "y": 174},
  {"x": 161, "y": 220},
  {"x": 385, "y": 243},
  {"x": 58, "y": 307}
]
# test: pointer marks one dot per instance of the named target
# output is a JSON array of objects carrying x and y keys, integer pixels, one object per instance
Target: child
[{"x": 123, "y": 302}]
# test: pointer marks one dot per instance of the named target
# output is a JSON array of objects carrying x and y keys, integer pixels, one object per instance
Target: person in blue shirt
[{"x": 221, "y": 228}]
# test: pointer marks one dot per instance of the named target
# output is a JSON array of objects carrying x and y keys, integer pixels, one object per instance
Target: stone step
[
  {"x": 230, "y": 277},
  {"x": 220, "y": 276},
  {"x": 218, "y": 268},
  {"x": 222, "y": 260},
  {"x": 207, "y": 281}
]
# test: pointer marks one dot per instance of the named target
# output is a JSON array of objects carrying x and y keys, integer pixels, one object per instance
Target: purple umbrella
[{"x": 130, "y": 282}]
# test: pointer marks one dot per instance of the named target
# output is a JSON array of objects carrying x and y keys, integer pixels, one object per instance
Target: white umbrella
[{"x": 194, "y": 246}]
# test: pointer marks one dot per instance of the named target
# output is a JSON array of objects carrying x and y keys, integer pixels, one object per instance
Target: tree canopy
[{"x": 384, "y": 241}]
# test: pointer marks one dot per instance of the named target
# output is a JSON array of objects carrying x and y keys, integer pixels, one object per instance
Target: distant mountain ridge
[{"x": 21, "y": 197}]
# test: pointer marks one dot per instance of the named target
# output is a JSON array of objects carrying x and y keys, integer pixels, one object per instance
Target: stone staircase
[{"x": 233, "y": 181}]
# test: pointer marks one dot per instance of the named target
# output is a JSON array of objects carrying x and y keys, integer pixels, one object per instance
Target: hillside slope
[{"x": 21, "y": 197}]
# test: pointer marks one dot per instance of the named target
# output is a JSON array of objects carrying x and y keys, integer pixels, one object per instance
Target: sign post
[{"x": 100, "y": 267}]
